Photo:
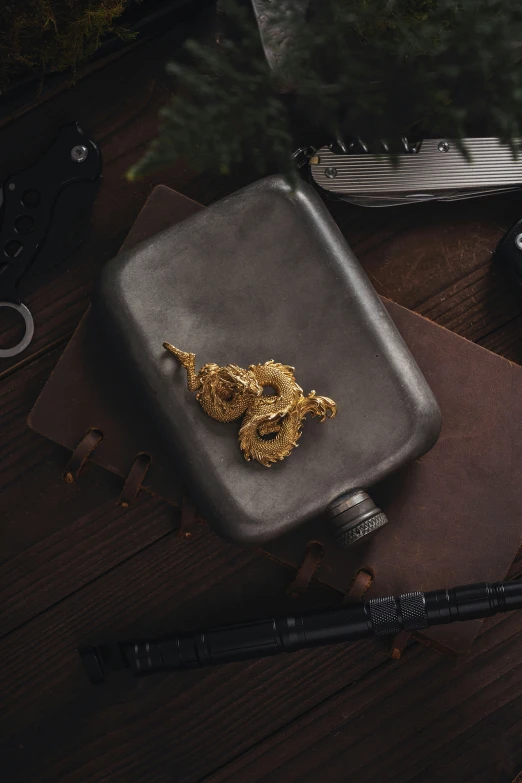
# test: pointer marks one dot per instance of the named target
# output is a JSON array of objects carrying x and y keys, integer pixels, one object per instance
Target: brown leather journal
[{"x": 454, "y": 515}]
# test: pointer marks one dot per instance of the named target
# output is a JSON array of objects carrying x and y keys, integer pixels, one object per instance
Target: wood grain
[
  {"x": 171, "y": 581},
  {"x": 401, "y": 725},
  {"x": 77, "y": 569},
  {"x": 121, "y": 115}
]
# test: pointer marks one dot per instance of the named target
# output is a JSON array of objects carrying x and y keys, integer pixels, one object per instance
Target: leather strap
[
  {"x": 188, "y": 517},
  {"x": 360, "y": 584},
  {"x": 313, "y": 556},
  {"x": 134, "y": 480},
  {"x": 81, "y": 454},
  {"x": 399, "y": 643}
]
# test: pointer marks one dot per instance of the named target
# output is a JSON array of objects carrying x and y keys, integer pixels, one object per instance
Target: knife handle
[
  {"x": 43, "y": 207},
  {"x": 509, "y": 253}
]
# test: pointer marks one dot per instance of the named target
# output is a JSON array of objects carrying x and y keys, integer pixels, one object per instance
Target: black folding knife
[{"x": 45, "y": 213}]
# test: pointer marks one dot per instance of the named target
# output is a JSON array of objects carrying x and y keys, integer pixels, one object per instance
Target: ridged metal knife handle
[{"x": 437, "y": 170}]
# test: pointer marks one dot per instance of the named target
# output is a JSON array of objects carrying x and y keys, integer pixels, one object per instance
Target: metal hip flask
[{"x": 266, "y": 273}]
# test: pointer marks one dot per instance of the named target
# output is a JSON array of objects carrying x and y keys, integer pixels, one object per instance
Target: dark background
[{"x": 76, "y": 566}]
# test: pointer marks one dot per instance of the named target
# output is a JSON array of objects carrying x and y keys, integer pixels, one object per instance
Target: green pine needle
[{"x": 369, "y": 68}]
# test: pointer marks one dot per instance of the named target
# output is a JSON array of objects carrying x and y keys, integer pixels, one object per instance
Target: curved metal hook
[{"x": 29, "y": 330}]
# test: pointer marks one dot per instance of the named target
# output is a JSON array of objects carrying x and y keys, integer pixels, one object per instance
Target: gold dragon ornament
[{"x": 272, "y": 423}]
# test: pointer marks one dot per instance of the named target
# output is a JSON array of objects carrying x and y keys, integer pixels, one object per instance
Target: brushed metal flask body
[{"x": 266, "y": 274}]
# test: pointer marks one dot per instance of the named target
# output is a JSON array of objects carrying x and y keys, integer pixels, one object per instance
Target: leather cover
[
  {"x": 454, "y": 515},
  {"x": 266, "y": 274}
]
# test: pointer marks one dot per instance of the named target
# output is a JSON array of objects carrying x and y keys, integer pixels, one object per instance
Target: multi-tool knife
[
  {"x": 44, "y": 213},
  {"x": 432, "y": 169}
]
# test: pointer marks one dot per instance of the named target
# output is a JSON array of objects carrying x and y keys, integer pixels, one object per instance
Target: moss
[{"x": 52, "y": 35}]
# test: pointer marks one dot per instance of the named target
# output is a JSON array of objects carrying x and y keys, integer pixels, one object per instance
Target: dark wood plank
[
  {"x": 18, "y": 100},
  {"x": 77, "y": 553},
  {"x": 490, "y": 750},
  {"x": 419, "y": 256},
  {"x": 189, "y": 723},
  {"x": 414, "y": 253},
  {"x": 410, "y": 720},
  {"x": 77, "y": 568},
  {"x": 436, "y": 259},
  {"x": 477, "y": 303},
  {"x": 506, "y": 340},
  {"x": 59, "y": 537},
  {"x": 121, "y": 114}
]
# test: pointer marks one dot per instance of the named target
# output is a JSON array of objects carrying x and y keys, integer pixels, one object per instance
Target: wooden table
[{"x": 76, "y": 566}]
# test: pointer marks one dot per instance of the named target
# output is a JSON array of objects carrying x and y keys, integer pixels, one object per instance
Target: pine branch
[
  {"x": 369, "y": 68},
  {"x": 53, "y": 35}
]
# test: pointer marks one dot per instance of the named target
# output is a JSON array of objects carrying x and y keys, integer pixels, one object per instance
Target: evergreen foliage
[
  {"x": 368, "y": 68},
  {"x": 52, "y": 35}
]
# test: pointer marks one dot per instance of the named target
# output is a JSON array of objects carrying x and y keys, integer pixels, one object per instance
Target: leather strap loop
[
  {"x": 399, "y": 643},
  {"x": 359, "y": 586},
  {"x": 81, "y": 454},
  {"x": 134, "y": 480},
  {"x": 313, "y": 556},
  {"x": 188, "y": 517}
]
